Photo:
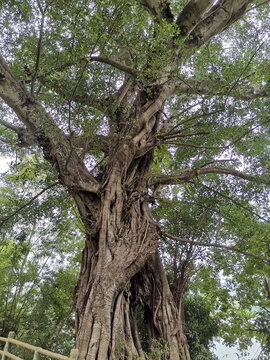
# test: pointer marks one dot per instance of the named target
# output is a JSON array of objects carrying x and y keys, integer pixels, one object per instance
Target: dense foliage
[{"x": 91, "y": 70}]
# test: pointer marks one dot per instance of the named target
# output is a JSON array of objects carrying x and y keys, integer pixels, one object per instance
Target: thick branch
[
  {"x": 185, "y": 175},
  {"x": 219, "y": 18},
  {"x": 10, "y": 126},
  {"x": 85, "y": 99},
  {"x": 51, "y": 139},
  {"x": 26, "y": 138},
  {"x": 191, "y": 15},
  {"x": 230, "y": 248},
  {"x": 144, "y": 122},
  {"x": 13, "y": 92}
]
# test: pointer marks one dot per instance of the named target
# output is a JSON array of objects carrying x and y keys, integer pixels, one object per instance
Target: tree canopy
[{"x": 143, "y": 127}]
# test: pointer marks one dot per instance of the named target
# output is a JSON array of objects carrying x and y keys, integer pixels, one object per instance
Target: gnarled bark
[
  {"x": 117, "y": 246},
  {"x": 121, "y": 269},
  {"x": 162, "y": 316},
  {"x": 107, "y": 313}
]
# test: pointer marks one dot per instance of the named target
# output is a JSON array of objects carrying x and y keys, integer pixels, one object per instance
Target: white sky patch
[
  {"x": 3, "y": 165},
  {"x": 224, "y": 352}
]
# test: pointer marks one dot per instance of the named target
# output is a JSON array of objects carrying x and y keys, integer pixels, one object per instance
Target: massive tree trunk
[
  {"x": 121, "y": 271},
  {"x": 108, "y": 300}
]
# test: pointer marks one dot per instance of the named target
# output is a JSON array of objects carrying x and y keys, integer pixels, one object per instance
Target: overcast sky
[{"x": 3, "y": 165}]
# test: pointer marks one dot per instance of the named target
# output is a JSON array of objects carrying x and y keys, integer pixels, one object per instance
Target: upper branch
[
  {"x": 39, "y": 46},
  {"x": 25, "y": 137},
  {"x": 225, "y": 247},
  {"x": 218, "y": 19},
  {"x": 85, "y": 99},
  {"x": 102, "y": 59},
  {"x": 62, "y": 89},
  {"x": 115, "y": 64},
  {"x": 56, "y": 146},
  {"x": 185, "y": 175},
  {"x": 191, "y": 15},
  {"x": 219, "y": 87}
]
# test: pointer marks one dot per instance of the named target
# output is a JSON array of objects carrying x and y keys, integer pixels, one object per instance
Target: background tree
[
  {"x": 38, "y": 268},
  {"x": 123, "y": 99}
]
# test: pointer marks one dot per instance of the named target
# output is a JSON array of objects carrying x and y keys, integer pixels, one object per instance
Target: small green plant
[{"x": 159, "y": 350}]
